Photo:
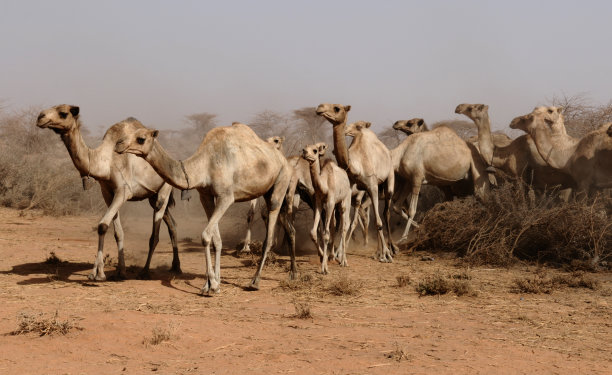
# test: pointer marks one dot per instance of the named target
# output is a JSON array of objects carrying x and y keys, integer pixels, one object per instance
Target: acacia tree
[
  {"x": 269, "y": 123},
  {"x": 580, "y": 115}
]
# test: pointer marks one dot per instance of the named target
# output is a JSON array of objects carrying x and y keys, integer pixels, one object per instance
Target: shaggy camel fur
[
  {"x": 368, "y": 164},
  {"x": 588, "y": 160},
  {"x": 231, "y": 165},
  {"x": 441, "y": 158},
  {"x": 332, "y": 189},
  {"x": 277, "y": 142},
  {"x": 520, "y": 158},
  {"x": 121, "y": 178}
]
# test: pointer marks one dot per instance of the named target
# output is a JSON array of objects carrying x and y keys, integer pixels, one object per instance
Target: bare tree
[
  {"x": 269, "y": 123},
  {"x": 201, "y": 123},
  {"x": 581, "y": 116},
  {"x": 308, "y": 128},
  {"x": 390, "y": 137},
  {"x": 465, "y": 129}
]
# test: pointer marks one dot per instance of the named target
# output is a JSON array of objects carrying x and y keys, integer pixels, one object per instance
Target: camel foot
[
  {"x": 96, "y": 277},
  {"x": 344, "y": 263},
  {"x": 394, "y": 249},
  {"x": 254, "y": 285},
  {"x": 117, "y": 276},
  {"x": 246, "y": 249},
  {"x": 176, "y": 268},
  {"x": 293, "y": 275},
  {"x": 143, "y": 275},
  {"x": 210, "y": 287},
  {"x": 385, "y": 257}
]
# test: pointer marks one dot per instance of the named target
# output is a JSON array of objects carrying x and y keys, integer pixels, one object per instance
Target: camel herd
[{"x": 233, "y": 164}]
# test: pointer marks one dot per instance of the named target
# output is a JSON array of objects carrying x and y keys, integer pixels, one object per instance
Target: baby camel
[
  {"x": 231, "y": 165},
  {"x": 332, "y": 188},
  {"x": 121, "y": 178}
]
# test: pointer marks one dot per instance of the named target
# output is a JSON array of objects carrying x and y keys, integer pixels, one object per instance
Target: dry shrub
[
  {"x": 403, "y": 280},
  {"x": 53, "y": 259},
  {"x": 302, "y": 310},
  {"x": 37, "y": 172},
  {"x": 42, "y": 326},
  {"x": 343, "y": 286},
  {"x": 509, "y": 225},
  {"x": 542, "y": 283},
  {"x": 160, "y": 334},
  {"x": 304, "y": 281},
  {"x": 438, "y": 284},
  {"x": 398, "y": 354}
]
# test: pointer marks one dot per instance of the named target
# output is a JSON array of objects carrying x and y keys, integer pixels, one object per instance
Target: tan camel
[
  {"x": 588, "y": 161},
  {"x": 332, "y": 189},
  {"x": 277, "y": 142},
  {"x": 412, "y": 126},
  {"x": 520, "y": 158},
  {"x": 368, "y": 164},
  {"x": 121, "y": 178},
  {"x": 441, "y": 158},
  {"x": 232, "y": 164}
]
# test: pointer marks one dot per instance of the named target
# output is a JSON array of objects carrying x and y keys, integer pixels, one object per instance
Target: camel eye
[
  {"x": 315, "y": 151},
  {"x": 63, "y": 115},
  {"x": 336, "y": 109},
  {"x": 140, "y": 140}
]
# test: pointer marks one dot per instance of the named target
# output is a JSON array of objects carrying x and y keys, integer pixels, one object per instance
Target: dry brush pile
[
  {"x": 511, "y": 226},
  {"x": 36, "y": 170}
]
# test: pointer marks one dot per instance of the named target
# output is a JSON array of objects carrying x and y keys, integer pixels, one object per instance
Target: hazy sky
[{"x": 162, "y": 60}]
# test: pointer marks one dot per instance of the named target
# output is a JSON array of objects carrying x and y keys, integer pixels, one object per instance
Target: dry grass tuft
[
  {"x": 399, "y": 354},
  {"x": 42, "y": 326},
  {"x": 511, "y": 226},
  {"x": 343, "y": 286},
  {"x": 403, "y": 280},
  {"x": 53, "y": 259},
  {"x": 542, "y": 283},
  {"x": 304, "y": 281},
  {"x": 302, "y": 310},
  {"x": 438, "y": 284},
  {"x": 160, "y": 334}
]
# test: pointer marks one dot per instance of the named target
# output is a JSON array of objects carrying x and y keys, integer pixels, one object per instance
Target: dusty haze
[{"x": 160, "y": 61}]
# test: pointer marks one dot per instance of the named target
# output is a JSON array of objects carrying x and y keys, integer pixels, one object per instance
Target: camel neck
[
  {"x": 485, "y": 140},
  {"x": 340, "y": 148},
  {"x": 89, "y": 162},
  {"x": 542, "y": 137},
  {"x": 176, "y": 173},
  {"x": 315, "y": 175}
]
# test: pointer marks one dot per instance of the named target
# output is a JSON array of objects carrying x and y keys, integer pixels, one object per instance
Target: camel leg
[
  {"x": 383, "y": 254},
  {"x": 364, "y": 212},
  {"x": 247, "y": 239},
  {"x": 274, "y": 202},
  {"x": 345, "y": 209},
  {"x": 159, "y": 203},
  {"x": 171, "y": 224},
  {"x": 388, "y": 204},
  {"x": 212, "y": 284},
  {"x": 414, "y": 200},
  {"x": 286, "y": 220},
  {"x": 315, "y": 227},
  {"x": 118, "y": 229},
  {"x": 329, "y": 213},
  {"x": 114, "y": 202}
]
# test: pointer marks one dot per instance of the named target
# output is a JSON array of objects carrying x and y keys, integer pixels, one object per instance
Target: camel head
[
  {"x": 415, "y": 125},
  {"x": 334, "y": 113},
  {"x": 540, "y": 115},
  {"x": 352, "y": 130},
  {"x": 312, "y": 153},
  {"x": 61, "y": 118},
  {"x": 139, "y": 142},
  {"x": 473, "y": 111},
  {"x": 276, "y": 141}
]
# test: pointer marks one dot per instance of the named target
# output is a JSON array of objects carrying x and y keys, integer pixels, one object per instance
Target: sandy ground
[{"x": 381, "y": 329}]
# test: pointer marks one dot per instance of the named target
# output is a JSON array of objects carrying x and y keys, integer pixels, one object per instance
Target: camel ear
[
  {"x": 560, "y": 109},
  {"x": 154, "y": 133},
  {"x": 347, "y": 108},
  {"x": 368, "y": 124},
  {"x": 421, "y": 122},
  {"x": 74, "y": 110}
]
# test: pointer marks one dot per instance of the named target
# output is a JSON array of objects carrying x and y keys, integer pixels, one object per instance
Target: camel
[
  {"x": 441, "y": 158},
  {"x": 412, "y": 126},
  {"x": 277, "y": 142},
  {"x": 121, "y": 178},
  {"x": 520, "y": 158},
  {"x": 368, "y": 164},
  {"x": 332, "y": 189},
  {"x": 232, "y": 164},
  {"x": 587, "y": 160}
]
